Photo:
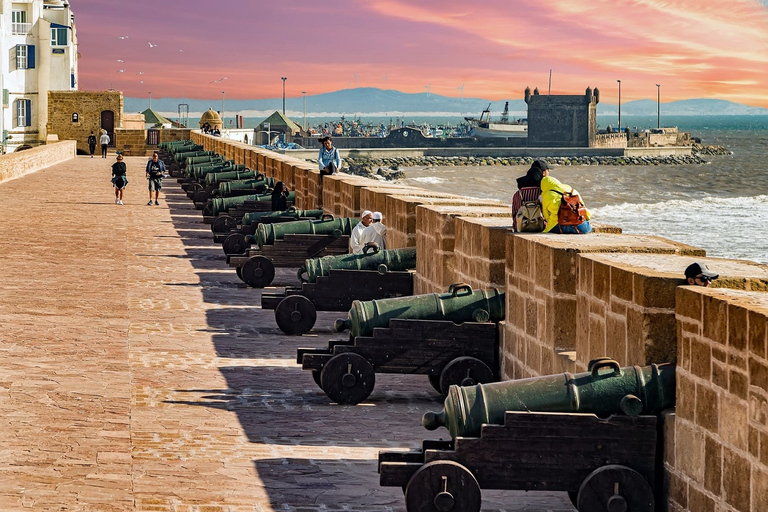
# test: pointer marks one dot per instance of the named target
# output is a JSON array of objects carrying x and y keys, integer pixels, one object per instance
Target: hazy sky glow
[{"x": 694, "y": 49}]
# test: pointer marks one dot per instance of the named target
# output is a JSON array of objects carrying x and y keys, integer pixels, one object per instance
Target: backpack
[
  {"x": 529, "y": 218},
  {"x": 572, "y": 211}
]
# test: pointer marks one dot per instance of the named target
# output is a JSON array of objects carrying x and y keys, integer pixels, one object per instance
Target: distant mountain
[{"x": 369, "y": 101}]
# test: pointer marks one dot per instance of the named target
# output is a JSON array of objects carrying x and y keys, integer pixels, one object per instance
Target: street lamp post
[
  {"x": 658, "y": 105},
  {"x": 150, "y": 99},
  {"x": 304, "y": 95},
  {"x": 619, "y": 81},
  {"x": 283, "y": 78},
  {"x": 222, "y": 110}
]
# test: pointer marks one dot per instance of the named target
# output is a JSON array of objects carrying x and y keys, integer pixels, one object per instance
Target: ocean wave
[{"x": 432, "y": 180}]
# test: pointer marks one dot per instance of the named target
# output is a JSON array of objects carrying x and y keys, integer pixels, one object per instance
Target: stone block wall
[
  {"x": 542, "y": 276},
  {"x": 20, "y": 163},
  {"x": 131, "y": 142},
  {"x": 625, "y": 303},
  {"x": 716, "y": 456},
  {"x": 436, "y": 237},
  {"x": 480, "y": 251},
  {"x": 88, "y": 107}
]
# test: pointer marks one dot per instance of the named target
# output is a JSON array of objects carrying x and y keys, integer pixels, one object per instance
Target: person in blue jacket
[{"x": 329, "y": 158}]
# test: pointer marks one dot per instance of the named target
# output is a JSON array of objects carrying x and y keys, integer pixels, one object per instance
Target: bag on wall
[
  {"x": 572, "y": 211},
  {"x": 529, "y": 218}
]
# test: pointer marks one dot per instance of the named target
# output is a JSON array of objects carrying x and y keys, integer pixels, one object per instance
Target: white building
[{"x": 38, "y": 53}]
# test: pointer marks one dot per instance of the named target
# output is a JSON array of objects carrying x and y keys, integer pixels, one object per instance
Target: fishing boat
[{"x": 484, "y": 127}]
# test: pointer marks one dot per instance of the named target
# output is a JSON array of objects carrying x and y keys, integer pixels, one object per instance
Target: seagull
[
  {"x": 121, "y": 60},
  {"x": 219, "y": 80},
  {"x": 140, "y": 73},
  {"x": 141, "y": 81},
  {"x": 182, "y": 51},
  {"x": 121, "y": 37},
  {"x": 121, "y": 71},
  {"x": 151, "y": 45}
]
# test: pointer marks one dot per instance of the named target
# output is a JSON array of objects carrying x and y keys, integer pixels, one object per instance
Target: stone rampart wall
[
  {"x": 571, "y": 299},
  {"x": 20, "y": 163}
]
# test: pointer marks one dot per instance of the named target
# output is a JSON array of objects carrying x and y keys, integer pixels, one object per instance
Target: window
[
  {"x": 58, "y": 36},
  {"x": 23, "y": 112},
  {"x": 19, "y": 25},
  {"x": 25, "y": 56},
  {"x": 75, "y": 117}
]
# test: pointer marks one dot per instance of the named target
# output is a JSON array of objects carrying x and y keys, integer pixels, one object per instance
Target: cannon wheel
[
  {"x": 442, "y": 486},
  {"x": 465, "y": 371},
  {"x": 235, "y": 244},
  {"x": 316, "y": 378},
  {"x": 615, "y": 488},
  {"x": 223, "y": 224},
  {"x": 347, "y": 378},
  {"x": 258, "y": 271},
  {"x": 201, "y": 196},
  {"x": 295, "y": 315},
  {"x": 434, "y": 381}
]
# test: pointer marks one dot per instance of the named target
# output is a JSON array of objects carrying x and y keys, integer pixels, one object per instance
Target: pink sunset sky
[{"x": 495, "y": 48}]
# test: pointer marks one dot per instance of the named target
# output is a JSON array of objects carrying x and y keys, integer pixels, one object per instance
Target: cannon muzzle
[
  {"x": 604, "y": 390},
  {"x": 370, "y": 259}
]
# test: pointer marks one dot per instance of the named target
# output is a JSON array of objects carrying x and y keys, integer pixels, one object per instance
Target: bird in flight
[
  {"x": 141, "y": 81},
  {"x": 121, "y": 37},
  {"x": 121, "y": 60},
  {"x": 140, "y": 73},
  {"x": 182, "y": 51},
  {"x": 151, "y": 45},
  {"x": 219, "y": 80},
  {"x": 121, "y": 71}
]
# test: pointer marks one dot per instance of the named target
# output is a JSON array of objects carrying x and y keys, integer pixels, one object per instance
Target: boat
[{"x": 483, "y": 127}]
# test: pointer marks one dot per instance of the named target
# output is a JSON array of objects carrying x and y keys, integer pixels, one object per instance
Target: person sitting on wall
[
  {"x": 698, "y": 274},
  {"x": 375, "y": 233},
  {"x": 355, "y": 245},
  {"x": 529, "y": 186},
  {"x": 279, "y": 197},
  {"x": 329, "y": 158},
  {"x": 216, "y": 132},
  {"x": 553, "y": 194}
]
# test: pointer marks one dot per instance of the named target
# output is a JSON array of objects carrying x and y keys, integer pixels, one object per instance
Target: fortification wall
[
  {"x": 571, "y": 299},
  {"x": 20, "y": 163}
]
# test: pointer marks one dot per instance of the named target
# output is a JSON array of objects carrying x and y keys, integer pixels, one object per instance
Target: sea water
[{"x": 720, "y": 206}]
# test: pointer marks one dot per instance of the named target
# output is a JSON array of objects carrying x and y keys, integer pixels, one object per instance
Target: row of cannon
[{"x": 595, "y": 435}]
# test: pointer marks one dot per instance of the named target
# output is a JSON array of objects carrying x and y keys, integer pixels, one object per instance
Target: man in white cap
[
  {"x": 355, "y": 246},
  {"x": 375, "y": 232}
]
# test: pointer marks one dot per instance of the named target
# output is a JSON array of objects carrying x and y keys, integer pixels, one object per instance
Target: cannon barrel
[
  {"x": 167, "y": 145},
  {"x": 266, "y": 234},
  {"x": 185, "y": 148},
  {"x": 202, "y": 172},
  {"x": 370, "y": 259},
  {"x": 631, "y": 390},
  {"x": 181, "y": 157},
  {"x": 216, "y": 205},
  {"x": 218, "y": 165},
  {"x": 255, "y": 217},
  {"x": 200, "y": 159},
  {"x": 261, "y": 186},
  {"x": 460, "y": 304},
  {"x": 214, "y": 178}
]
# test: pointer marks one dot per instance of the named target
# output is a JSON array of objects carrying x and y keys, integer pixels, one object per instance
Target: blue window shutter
[
  {"x": 31, "y": 56},
  {"x": 73, "y": 80},
  {"x": 29, "y": 112}
]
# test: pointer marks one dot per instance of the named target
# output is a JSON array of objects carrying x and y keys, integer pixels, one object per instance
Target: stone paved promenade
[{"x": 139, "y": 374}]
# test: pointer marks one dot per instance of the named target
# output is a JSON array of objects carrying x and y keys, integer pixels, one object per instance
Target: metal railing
[{"x": 21, "y": 28}]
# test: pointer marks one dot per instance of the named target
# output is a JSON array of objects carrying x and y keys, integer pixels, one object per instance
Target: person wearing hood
[
  {"x": 552, "y": 192},
  {"x": 529, "y": 186},
  {"x": 355, "y": 246},
  {"x": 375, "y": 232},
  {"x": 279, "y": 197}
]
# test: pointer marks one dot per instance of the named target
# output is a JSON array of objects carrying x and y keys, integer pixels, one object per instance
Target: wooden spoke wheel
[
  {"x": 465, "y": 371},
  {"x": 615, "y": 488},
  {"x": 223, "y": 224},
  {"x": 434, "y": 381},
  {"x": 347, "y": 378},
  {"x": 258, "y": 271},
  {"x": 442, "y": 486},
  {"x": 235, "y": 244},
  {"x": 295, "y": 315}
]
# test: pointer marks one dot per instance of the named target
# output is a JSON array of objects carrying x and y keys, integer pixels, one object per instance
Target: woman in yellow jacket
[{"x": 551, "y": 195}]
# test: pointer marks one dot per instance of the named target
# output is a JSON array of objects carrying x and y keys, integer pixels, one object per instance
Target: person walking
[
  {"x": 92, "y": 143},
  {"x": 119, "y": 178},
  {"x": 104, "y": 141},
  {"x": 155, "y": 171}
]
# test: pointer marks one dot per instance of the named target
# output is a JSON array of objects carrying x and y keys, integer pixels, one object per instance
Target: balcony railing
[{"x": 21, "y": 29}]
